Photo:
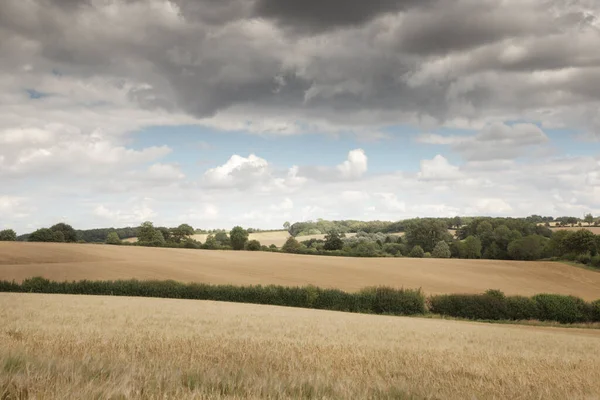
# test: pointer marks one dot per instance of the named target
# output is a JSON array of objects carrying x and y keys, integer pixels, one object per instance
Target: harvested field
[
  {"x": 59, "y": 261},
  {"x": 593, "y": 229},
  {"x": 57, "y": 346}
]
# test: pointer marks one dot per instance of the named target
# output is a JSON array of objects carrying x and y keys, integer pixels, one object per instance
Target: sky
[{"x": 257, "y": 112}]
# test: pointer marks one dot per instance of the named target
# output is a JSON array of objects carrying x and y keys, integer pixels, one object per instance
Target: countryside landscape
[{"x": 327, "y": 200}]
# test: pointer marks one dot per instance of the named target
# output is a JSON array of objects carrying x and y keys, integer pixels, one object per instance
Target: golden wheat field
[
  {"x": 277, "y": 238},
  {"x": 83, "y": 347},
  {"x": 59, "y": 261}
]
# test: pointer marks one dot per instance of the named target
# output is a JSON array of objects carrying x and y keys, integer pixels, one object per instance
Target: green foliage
[
  {"x": 426, "y": 233},
  {"x": 222, "y": 238},
  {"x": 8, "y": 235},
  {"x": 146, "y": 232},
  {"x": 41, "y": 235},
  {"x": 581, "y": 241},
  {"x": 333, "y": 241},
  {"x": 532, "y": 247},
  {"x": 68, "y": 233},
  {"x": 211, "y": 243},
  {"x": 182, "y": 232},
  {"x": 417, "y": 252},
  {"x": 113, "y": 238},
  {"x": 380, "y": 300},
  {"x": 238, "y": 237},
  {"x": 253, "y": 245},
  {"x": 470, "y": 248},
  {"x": 58, "y": 236},
  {"x": 493, "y": 305},
  {"x": 291, "y": 245},
  {"x": 564, "y": 309},
  {"x": 365, "y": 249},
  {"x": 441, "y": 250},
  {"x": 395, "y": 249},
  {"x": 589, "y": 218}
]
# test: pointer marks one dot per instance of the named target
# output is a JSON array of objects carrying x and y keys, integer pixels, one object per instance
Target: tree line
[{"x": 471, "y": 238}]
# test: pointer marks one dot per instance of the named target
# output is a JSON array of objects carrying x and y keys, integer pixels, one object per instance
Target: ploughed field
[
  {"x": 58, "y": 261},
  {"x": 81, "y": 347}
]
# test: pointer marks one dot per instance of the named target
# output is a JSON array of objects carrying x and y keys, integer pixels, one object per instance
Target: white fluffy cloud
[
  {"x": 239, "y": 171},
  {"x": 439, "y": 169},
  {"x": 355, "y": 166}
]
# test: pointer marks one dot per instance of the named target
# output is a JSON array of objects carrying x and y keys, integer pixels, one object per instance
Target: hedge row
[
  {"x": 376, "y": 300},
  {"x": 491, "y": 305},
  {"x": 494, "y": 305}
]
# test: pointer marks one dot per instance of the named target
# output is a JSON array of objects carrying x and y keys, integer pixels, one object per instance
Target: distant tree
[
  {"x": 291, "y": 245},
  {"x": 470, "y": 248},
  {"x": 58, "y": 236},
  {"x": 417, "y": 252},
  {"x": 287, "y": 226},
  {"x": 457, "y": 222},
  {"x": 426, "y": 233},
  {"x": 223, "y": 238},
  {"x": 166, "y": 233},
  {"x": 395, "y": 249},
  {"x": 532, "y": 247},
  {"x": 441, "y": 250},
  {"x": 182, "y": 232},
  {"x": 68, "y": 233},
  {"x": 333, "y": 241},
  {"x": 238, "y": 237},
  {"x": 8, "y": 235},
  {"x": 113, "y": 238},
  {"x": 589, "y": 218},
  {"x": 581, "y": 241},
  {"x": 272, "y": 246},
  {"x": 211, "y": 243},
  {"x": 146, "y": 232},
  {"x": 42, "y": 235},
  {"x": 253, "y": 245}
]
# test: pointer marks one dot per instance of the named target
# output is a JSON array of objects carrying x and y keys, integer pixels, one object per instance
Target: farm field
[
  {"x": 594, "y": 229},
  {"x": 277, "y": 238},
  {"x": 59, "y": 261},
  {"x": 59, "y": 346}
]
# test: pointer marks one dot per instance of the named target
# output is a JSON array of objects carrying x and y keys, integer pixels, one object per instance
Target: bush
[
  {"x": 584, "y": 258},
  {"x": 380, "y": 300},
  {"x": 521, "y": 308},
  {"x": 564, "y": 309},
  {"x": 490, "y": 305},
  {"x": 595, "y": 262},
  {"x": 417, "y": 252},
  {"x": 291, "y": 245},
  {"x": 8, "y": 235},
  {"x": 113, "y": 238},
  {"x": 441, "y": 250},
  {"x": 394, "y": 249},
  {"x": 253, "y": 245}
]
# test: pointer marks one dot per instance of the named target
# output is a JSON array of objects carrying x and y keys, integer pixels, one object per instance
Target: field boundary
[{"x": 492, "y": 305}]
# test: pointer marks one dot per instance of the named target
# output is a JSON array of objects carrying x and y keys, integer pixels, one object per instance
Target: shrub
[
  {"x": 113, "y": 238},
  {"x": 489, "y": 306},
  {"x": 238, "y": 237},
  {"x": 253, "y": 245},
  {"x": 417, "y": 252},
  {"x": 441, "y": 250},
  {"x": 595, "y": 261},
  {"x": 379, "y": 300},
  {"x": 521, "y": 308},
  {"x": 564, "y": 309},
  {"x": 394, "y": 249},
  {"x": 8, "y": 235},
  {"x": 584, "y": 258},
  {"x": 291, "y": 245}
]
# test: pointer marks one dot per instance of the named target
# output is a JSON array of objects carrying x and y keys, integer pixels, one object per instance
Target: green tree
[
  {"x": 113, "y": 238},
  {"x": 470, "y": 248},
  {"x": 333, "y": 241},
  {"x": 417, "y": 252},
  {"x": 581, "y": 241},
  {"x": 68, "y": 233},
  {"x": 532, "y": 247},
  {"x": 291, "y": 245},
  {"x": 426, "y": 233},
  {"x": 146, "y": 232},
  {"x": 287, "y": 226},
  {"x": 457, "y": 222},
  {"x": 41, "y": 235},
  {"x": 238, "y": 237},
  {"x": 589, "y": 218},
  {"x": 8, "y": 235},
  {"x": 182, "y": 232},
  {"x": 58, "y": 236},
  {"x": 211, "y": 243},
  {"x": 253, "y": 245},
  {"x": 223, "y": 238},
  {"x": 441, "y": 250},
  {"x": 394, "y": 249}
]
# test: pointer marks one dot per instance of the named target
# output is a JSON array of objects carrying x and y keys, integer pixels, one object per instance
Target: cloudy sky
[{"x": 254, "y": 112}]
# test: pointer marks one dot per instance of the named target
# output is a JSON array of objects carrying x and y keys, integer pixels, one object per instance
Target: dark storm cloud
[
  {"x": 328, "y": 14},
  {"x": 347, "y": 62}
]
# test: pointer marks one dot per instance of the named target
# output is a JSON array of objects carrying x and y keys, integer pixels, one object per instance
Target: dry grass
[
  {"x": 593, "y": 229},
  {"x": 277, "y": 238},
  {"x": 55, "y": 346},
  {"x": 60, "y": 262}
]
